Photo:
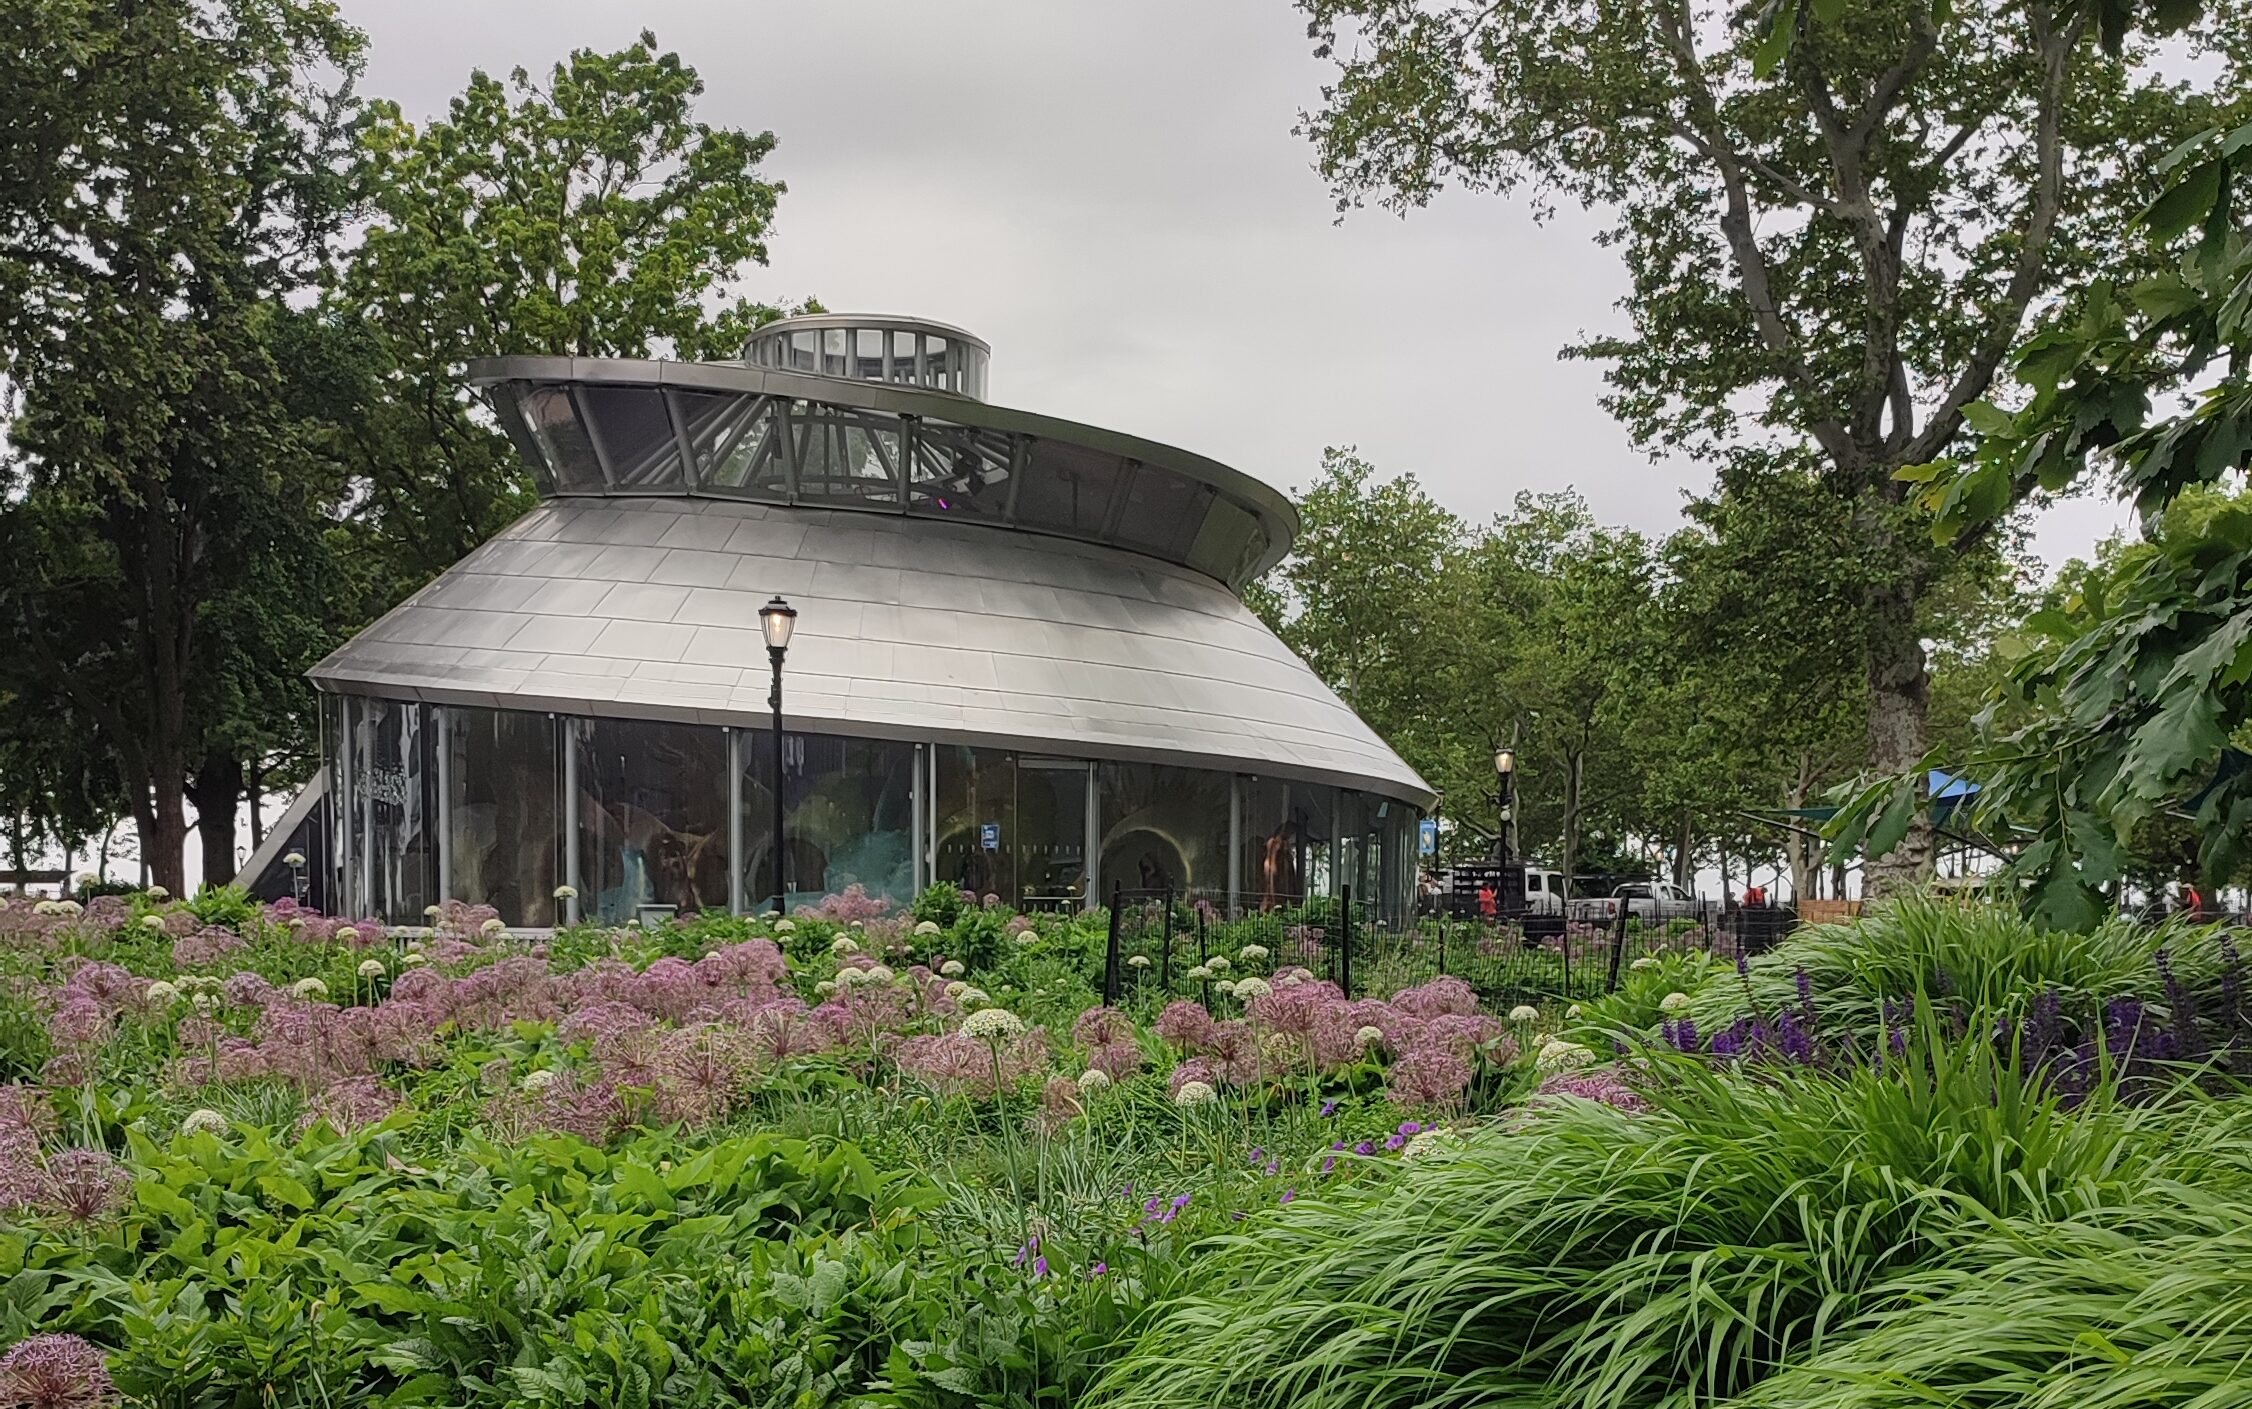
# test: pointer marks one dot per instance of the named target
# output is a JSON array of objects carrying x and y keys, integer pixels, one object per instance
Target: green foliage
[{"x": 1712, "y": 1252}]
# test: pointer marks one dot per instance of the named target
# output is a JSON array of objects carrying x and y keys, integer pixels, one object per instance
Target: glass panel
[
  {"x": 1163, "y": 512},
  {"x": 834, "y": 342},
  {"x": 960, "y": 470},
  {"x": 848, "y": 813},
  {"x": 392, "y": 761},
  {"x": 977, "y": 820},
  {"x": 636, "y": 435},
  {"x": 501, "y": 834},
  {"x": 973, "y": 372},
  {"x": 937, "y": 358},
  {"x": 1227, "y": 542},
  {"x": 1067, "y": 489},
  {"x": 652, "y": 817},
  {"x": 508, "y": 410},
  {"x": 554, "y": 424},
  {"x": 868, "y": 354},
  {"x": 1286, "y": 841},
  {"x": 1162, "y": 827},
  {"x": 805, "y": 351},
  {"x": 1012, "y": 828},
  {"x": 1354, "y": 855},
  {"x": 846, "y": 455}
]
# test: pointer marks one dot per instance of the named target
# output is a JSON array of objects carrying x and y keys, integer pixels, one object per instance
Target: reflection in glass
[
  {"x": 652, "y": 817},
  {"x": 553, "y": 423},
  {"x": 1287, "y": 841},
  {"x": 1162, "y": 827},
  {"x": 1010, "y": 827},
  {"x": 848, "y": 811},
  {"x": 1068, "y": 489},
  {"x": 501, "y": 833},
  {"x": 391, "y": 759},
  {"x": 635, "y": 434}
]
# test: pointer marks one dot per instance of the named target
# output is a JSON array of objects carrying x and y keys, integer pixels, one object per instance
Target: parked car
[{"x": 1652, "y": 902}]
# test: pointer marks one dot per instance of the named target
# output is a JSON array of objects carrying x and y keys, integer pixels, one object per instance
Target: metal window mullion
[
  {"x": 909, "y": 439},
  {"x": 346, "y": 800},
  {"x": 1235, "y": 840},
  {"x": 593, "y": 438},
  {"x": 1020, "y": 456},
  {"x": 735, "y": 856},
  {"x": 916, "y": 797},
  {"x": 443, "y": 736},
  {"x": 1093, "y": 843},
  {"x": 1121, "y": 491},
  {"x": 721, "y": 452},
  {"x": 688, "y": 475},
  {"x": 569, "y": 733}
]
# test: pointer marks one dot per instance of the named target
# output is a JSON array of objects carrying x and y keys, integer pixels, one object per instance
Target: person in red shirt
[{"x": 1489, "y": 905}]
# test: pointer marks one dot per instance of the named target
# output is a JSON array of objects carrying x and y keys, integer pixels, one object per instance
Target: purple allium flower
[
  {"x": 55, "y": 1372},
  {"x": 86, "y": 1186}
]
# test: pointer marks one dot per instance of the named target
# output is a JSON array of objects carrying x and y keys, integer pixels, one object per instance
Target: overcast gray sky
[{"x": 1111, "y": 195}]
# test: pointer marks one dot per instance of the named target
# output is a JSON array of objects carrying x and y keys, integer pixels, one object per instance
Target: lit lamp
[
  {"x": 1505, "y": 774},
  {"x": 777, "y": 619}
]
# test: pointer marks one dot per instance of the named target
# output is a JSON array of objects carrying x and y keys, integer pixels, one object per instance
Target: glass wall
[
  {"x": 501, "y": 807},
  {"x": 394, "y": 839},
  {"x": 1012, "y": 827},
  {"x": 848, "y": 812},
  {"x": 1163, "y": 828},
  {"x": 652, "y": 817},
  {"x": 1288, "y": 841},
  {"x": 502, "y": 791}
]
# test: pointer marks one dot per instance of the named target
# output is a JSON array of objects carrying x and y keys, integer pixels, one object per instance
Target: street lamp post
[
  {"x": 777, "y": 618},
  {"x": 1505, "y": 802}
]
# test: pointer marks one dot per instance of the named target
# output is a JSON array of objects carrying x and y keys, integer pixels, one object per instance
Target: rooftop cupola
[{"x": 874, "y": 347}]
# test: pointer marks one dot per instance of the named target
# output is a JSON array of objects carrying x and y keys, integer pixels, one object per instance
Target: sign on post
[
  {"x": 1430, "y": 836},
  {"x": 989, "y": 835}
]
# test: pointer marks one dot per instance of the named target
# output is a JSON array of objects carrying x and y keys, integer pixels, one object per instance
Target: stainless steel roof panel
[{"x": 1164, "y": 665}]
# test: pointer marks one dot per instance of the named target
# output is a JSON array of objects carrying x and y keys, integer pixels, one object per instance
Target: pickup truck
[
  {"x": 1544, "y": 892},
  {"x": 1652, "y": 902}
]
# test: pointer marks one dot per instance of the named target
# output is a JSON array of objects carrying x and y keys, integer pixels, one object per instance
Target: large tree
[
  {"x": 1836, "y": 217},
  {"x": 174, "y": 170},
  {"x": 587, "y": 213}
]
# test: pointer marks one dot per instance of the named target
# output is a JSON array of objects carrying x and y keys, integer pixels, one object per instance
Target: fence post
[
  {"x": 1204, "y": 987},
  {"x": 1110, "y": 952},
  {"x": 1618, "y": 944},
  {"x": 1166, "y": 898},
  {"x": 1165, "y": 958},
  {"x": 1345, "y": 942}
]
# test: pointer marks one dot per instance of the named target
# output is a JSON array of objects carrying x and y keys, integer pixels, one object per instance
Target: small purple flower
[
  {"x": 1097, "y": 1270},
  {"x": 1394, "y": 1141},
  {"x": 1040, "y": 1267},
  {"x": 1258, "y": 1153},
  {"x": 1154, "y": 1203},
  {"x": 1365, "y": 1147},
  {"x": 1180, "y": 1201},
  {"x": 1337, "y": 1144},
  {"x": 1236, "y": 1216},
  {"x": 1274, "y": 1167},
  {"x": 1021, "y": 1255},
  {"x": 1127, "y": 1192},
  {"x": 1328, "y": 1109},
  {"x": 1329, "y": 1165},
  {"x": 1288, "y": 1195},
  {"x": 1411, "y": 1127}
]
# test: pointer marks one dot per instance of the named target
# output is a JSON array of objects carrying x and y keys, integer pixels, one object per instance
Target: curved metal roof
[
  {"x": 912, "y": 628},
  {"x": 615, "y": 426}
]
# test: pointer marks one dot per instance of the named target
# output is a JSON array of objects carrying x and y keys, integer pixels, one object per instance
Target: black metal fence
[{"x": 1166, "y": 944}]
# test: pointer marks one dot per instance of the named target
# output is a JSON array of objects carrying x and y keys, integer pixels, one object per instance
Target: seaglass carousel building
[{"x": 1019, "y": 663}]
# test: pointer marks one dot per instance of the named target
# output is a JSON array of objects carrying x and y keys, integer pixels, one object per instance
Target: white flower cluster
[
  {"x": 1645, "y": 962},
  {"x": 1199, "y": 974},
  {"x": 1137, "y": 961},
  {"x": 952, "y": 968},
  {"x": 1218, "y": 963},
  {"x": 162, "y": 994},
  {"x": 1368, "y": 1036},
  {"x": 927, "y": 928},
  {"x": 566, "y": 892},
  {"x": 414, "y": 959},
  {"x": 1226, "y": 985},
  {"x": 785, "y": 927},
  {"x": 1524, "y": 1013},
  {"x": 1673, "y": 1002},
  {"x": 1249, "y": 988},
  {"x": 371, "y": 968},
  {"x": 844, "y": 944},
  {"x": 493, "y": 927},
  {"x": 539, "y": 1080},
  {"x": 993, "y": 1025},
  {"x": 154, "y": 922},
  {"x": 1252, "y": 953},
  {"x": 309, "y": 988},
  {"x": 1094, "y": 1079},
  {"x": 206, "y": 1121},
  {"x": 1558, "y": 1055},
  {"x": 1195, "y": 1093}
]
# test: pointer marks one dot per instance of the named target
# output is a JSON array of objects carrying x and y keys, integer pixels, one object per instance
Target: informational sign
[
  {"x": 1430, "y": 833},
  {"x": 989, "y": 835}
]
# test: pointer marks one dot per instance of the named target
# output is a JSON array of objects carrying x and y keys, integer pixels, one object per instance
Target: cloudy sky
[{"x": 1111, "y": 195}]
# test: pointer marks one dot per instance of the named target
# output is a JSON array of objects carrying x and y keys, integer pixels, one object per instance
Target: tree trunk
[
  {"x": 1681, "y": 855},
  {"x": 254, "y": 785},
  {"x": 1805, "y": 865},
  {"x": 215, "y": 790},
  {"x": 1899, "y": 703}
]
